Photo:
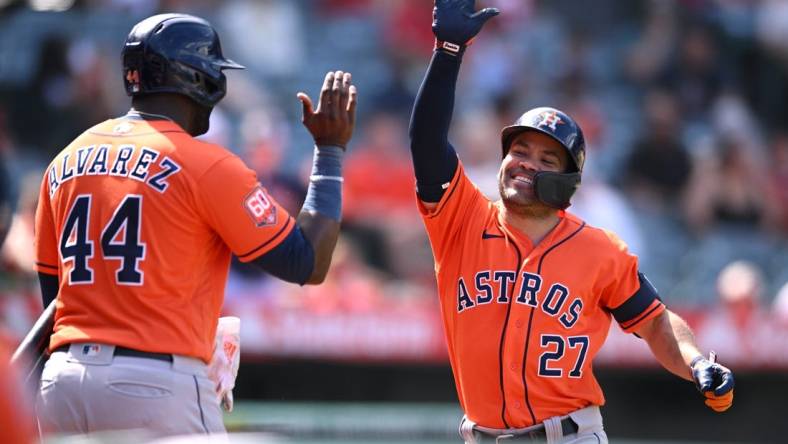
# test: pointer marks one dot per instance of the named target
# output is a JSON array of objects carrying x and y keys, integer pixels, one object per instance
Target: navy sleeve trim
[
  {"x": 286, "y": 226},
  {"x": 43, "y": 265},
  {"x": 293, "y": 260},
  {"x": 452, "y": 186},
  {"x": 433, "y": 192},
  {"x": 638, "y": 302}
]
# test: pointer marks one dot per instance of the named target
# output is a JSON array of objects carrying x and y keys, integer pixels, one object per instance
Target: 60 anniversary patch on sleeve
[{"x": 260, "y": 208}]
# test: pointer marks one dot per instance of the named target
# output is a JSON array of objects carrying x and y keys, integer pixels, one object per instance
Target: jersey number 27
[
  {"x": 77, "y": 248},
  {"x": 580, "y": 342}
]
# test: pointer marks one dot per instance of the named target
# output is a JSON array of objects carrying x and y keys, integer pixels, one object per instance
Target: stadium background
[{"x": 684, "y": 107}]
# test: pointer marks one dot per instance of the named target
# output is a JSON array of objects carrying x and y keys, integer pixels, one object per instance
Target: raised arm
[
  {"x": 454, "y": 24},
  {"x": 305, "y": 255},
  {"x": 331, "y": 125}
]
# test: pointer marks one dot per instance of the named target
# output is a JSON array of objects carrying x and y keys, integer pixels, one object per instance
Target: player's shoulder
[
  {"x": 165, "y": 137},
  {"x": 599, "y": 238},
  {"x": 202, "y": 149},
  {"x": 213, "y": 153}
]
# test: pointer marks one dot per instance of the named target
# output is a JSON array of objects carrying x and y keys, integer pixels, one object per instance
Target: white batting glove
[{"x": 223, "y": 368}]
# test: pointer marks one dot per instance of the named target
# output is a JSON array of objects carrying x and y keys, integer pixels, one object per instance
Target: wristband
[
  {"x": 324, "y": 194},
  {"x": 450, "y": 48},
  {"x": 695, "y": 361}
]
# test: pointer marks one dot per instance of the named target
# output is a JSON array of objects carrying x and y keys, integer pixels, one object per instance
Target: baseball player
[
  {"x": 528, "y": 290},
  {"x": 135, "y": 227}
]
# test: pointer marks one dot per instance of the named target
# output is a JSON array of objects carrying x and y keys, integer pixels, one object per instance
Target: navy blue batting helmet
[
  {"x": 554, "y": 189},
  {"x": 176, "y": 53}
]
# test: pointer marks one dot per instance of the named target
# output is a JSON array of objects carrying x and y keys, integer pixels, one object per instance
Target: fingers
[
  {"x": 719, "y": 403},
  {"x": 351, "y": 106},
  {"x": 716, "y": 383},
  {"x": 719, "y": 394},
  {"x": 485, "y": 14},
  {"x": 306, "y": 105},
  {"x": 336, "y": 94},
  {"x": 704, "y": 384},
  {"x": 325, "y": 91},
  {"x": 726, "y": 382},
  {"x": 344, "y": 91},
  {"x": 332, "y": 122},
  {"x": 703, "y": 377}
]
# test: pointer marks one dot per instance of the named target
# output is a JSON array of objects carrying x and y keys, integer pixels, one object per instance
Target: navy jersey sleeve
[
  {"x": 292, "y": 260},
  {"x": 643, "y": 305},
  {"x": 434, "y": 159}
]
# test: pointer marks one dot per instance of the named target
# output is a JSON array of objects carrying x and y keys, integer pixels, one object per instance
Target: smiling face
[{"x": 529, "y": 153}]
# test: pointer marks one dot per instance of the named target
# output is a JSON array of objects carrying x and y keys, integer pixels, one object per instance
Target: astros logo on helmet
[{"x": 549, "y": 119}]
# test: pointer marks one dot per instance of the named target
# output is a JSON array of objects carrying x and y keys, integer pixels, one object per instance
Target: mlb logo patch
[
  {"x": 260, "y": 208},
  {"x": 91, "y": 349},
  {"x": 123, "y": 128}
]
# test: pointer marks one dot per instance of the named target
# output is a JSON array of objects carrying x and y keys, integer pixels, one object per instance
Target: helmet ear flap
[
  {"x": 556, "y": 189},
  {"x": 210, "y": 86},
  {"x": 156, "y": 68}
]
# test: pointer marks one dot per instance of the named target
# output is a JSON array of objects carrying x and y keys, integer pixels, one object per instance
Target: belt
[
  {"x": 124, "y": 351},
  {"x": 568, "y": 427}
]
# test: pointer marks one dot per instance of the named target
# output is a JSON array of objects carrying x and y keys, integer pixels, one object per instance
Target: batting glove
[
  {"x": 223, "y": 368},
  {"x": 714, "y": 381},
  {"x": 455, "y": 23}
]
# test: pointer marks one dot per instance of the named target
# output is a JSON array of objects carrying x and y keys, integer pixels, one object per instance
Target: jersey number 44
[{"x": 120, "y": 240}]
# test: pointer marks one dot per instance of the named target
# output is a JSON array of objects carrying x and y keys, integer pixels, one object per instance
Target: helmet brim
[
  {"x": 229, "y": 64},
  {"x": 509, "y": 133}
]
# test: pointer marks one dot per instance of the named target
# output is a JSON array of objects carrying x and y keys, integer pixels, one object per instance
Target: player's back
[{"x": 131, "y": 238}]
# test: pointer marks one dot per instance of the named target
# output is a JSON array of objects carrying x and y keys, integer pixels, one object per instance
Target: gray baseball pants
[{"x": 90, "y": 388}]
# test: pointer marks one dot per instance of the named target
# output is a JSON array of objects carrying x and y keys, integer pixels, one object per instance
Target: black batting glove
[
  {"x": 715, "y": 382},
  {"x": 456, "y": 22}
]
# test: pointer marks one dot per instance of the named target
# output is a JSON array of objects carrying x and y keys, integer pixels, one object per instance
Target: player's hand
[
  {"x": 457, "y": 21},
  {"x": 715, "y": 382},
  {"x": 333, "y": 121}
]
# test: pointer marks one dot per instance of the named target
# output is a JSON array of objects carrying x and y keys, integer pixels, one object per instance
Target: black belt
[
  {"x": 123, "y": 351},
  {"x": 568, "y": 427}
]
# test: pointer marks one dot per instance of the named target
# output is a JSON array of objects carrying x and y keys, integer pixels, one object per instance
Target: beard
[{"x": 521, "y": 204}]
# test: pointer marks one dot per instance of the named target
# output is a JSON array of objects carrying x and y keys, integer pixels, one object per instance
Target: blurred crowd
[{"x": 682, "y": 103}]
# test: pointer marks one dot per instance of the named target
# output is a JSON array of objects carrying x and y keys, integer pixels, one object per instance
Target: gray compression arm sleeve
[{"x": 324, "y": 194}]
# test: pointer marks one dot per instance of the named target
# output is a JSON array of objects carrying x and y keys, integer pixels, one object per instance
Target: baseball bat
[{"x": 33, "y": 348}]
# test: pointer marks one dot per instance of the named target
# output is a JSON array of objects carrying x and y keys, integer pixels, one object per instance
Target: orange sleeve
[
  {"x": 629, "y": 296},
  {"x": 240, "y": 210},
  {"x": 451, "y": 216},
  {"x": 45, "y": 241}
]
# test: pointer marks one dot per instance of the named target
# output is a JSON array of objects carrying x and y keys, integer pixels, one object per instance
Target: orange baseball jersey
[
  {"x": 524, "y": 322},
  {"x": 138, "y": 221}
]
